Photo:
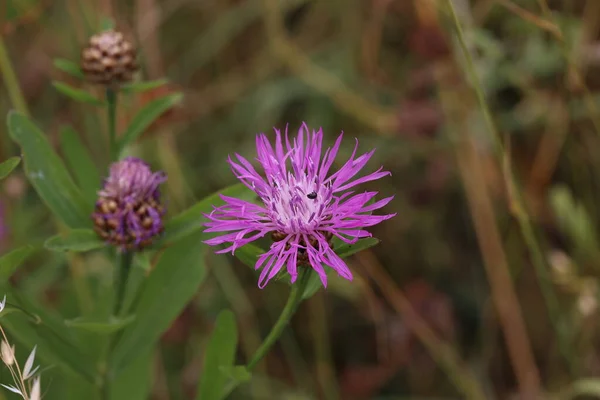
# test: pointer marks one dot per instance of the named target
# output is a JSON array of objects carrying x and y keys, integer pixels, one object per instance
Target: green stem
[
  {"x": 124, "y": 261},
  {"x": 10, "y": 81},
  {"x": 111, "y": 104},
  {"x": 293, "y": 301}
]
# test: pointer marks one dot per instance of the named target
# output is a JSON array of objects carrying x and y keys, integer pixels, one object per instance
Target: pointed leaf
[
  {"x": 78, "y": 240},
  {"x": 48, "y": 174},
  {"x": 99, "y": 326},
  {"x": 237, "y": 374},
  {"x": 27, "y": 369},
  {"x": 69, "y": 67},
  {"x": 138, "y": 87},
  {"x": 146, "y": 116},
  {"x": 191, "y": 220},
  {"x": 171, "y": 285},
  {"x": 11, "y": 388},
  {"x": 78, "y": 95},
  {"x": 220, "y": 353},
  {"x": 248, "y": 254},
  {"x": 11, "y": 261},
  {"x": 7, "y": 166},
  {"x": 344, "y": 250},
  {"x": 80, "y": 162}
]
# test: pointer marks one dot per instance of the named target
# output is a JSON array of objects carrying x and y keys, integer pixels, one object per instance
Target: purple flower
[
  {"x": 128, "y": 211},
  {"x": 303, "y": 207}
]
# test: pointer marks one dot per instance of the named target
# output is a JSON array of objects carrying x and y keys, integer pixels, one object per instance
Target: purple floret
[
  {"x": 128, "y": 211},
  {"x": 303, "y": 207}
]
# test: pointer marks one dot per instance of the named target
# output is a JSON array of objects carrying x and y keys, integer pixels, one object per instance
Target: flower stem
[
  {"x": 293, "y": 301},
  {"x": 111, "y": 103},
  {"x": 10, "y": 80},
  {"x": 124, "y": 261}
]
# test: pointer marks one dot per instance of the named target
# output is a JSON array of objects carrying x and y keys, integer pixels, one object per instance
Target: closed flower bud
[
  {"x": 109, "y": 59},
  {"x": 8, "y": 353},
  {"x": 129, "y": 211}
]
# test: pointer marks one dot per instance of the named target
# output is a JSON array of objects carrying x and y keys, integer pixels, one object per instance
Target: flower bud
[
  {"x": 129, "y": 211},
  {"x": 109, "y": 59}
]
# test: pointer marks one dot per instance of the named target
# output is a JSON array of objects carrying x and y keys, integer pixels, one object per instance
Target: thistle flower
[
  {"x": 303, "y": 207},
  {"x": 128, "y": 211}
]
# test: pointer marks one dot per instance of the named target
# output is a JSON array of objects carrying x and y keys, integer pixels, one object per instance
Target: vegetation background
[{"x": 485, "y": 282}]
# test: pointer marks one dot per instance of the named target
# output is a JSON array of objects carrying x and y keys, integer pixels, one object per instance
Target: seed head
[
  {"x": 129, "y": 211},
  {"x": 109, "y": 59}
]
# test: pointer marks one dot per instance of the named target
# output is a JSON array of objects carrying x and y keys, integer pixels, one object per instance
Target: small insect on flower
[
  {"x": 303, "y": 208},
  {"x": 129, "y": 211}
]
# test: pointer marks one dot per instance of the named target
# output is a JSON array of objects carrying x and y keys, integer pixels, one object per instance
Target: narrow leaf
[
  {"x": 146, "y": 116},
  {"x": 249, "y": 254},
  {"x": 9, "y": 262},
  {"x": 170, "y": 286},
  {"x": 11, "y": 388},
  {"x": 7, "y": 166},
  {"x": 78, "y": 240},
  {"x": 78, "y": 95},
  {"x": 27, "y": 369},
  {"x": 220, "y": 353},
  {"x": 344, "y": 250},
  {"x": 69, "y": 67},
  {"x": 191, "y": 220},
  {"x": 237, "y": 374},
  {"x": 80, "y": 162},
  {"x": 99, "y": 326},
  {"x": 138, "y": 87},
  {"x": 48, "y": 174}
]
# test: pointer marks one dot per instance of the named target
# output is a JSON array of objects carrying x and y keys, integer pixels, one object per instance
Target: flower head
[
  {"x": 128, "y": 211},
  {"x": 303, "y": 208},
  {"x": 109, "y": 59}
]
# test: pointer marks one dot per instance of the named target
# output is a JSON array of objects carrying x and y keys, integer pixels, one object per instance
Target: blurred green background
[{"x": 494, "y": 228}]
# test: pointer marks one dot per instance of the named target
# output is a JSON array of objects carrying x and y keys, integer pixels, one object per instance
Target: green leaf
[
  {"x": 69, "y": 67},
  {"x": 138, "y": 87},
  {"x": 575, "y": 221},
  {"x": 135, "y": 382},
  {"x": 171, "y": 285},
  {"x": 78, "y": 95},
  {"x": 80, "y": 163},
  {"x": 191, "y": 220},
  {"x": 345, "y": 250},
  {"x": 77, "y": 240},
  {"x": 220, "y": 353},
  {"x": 100, "y": 326},
  {"x": 56, "y": 343},
  {"x": 9, "y": 262},
  {"x": 237, "y": 374},
  {"x": 146, "y": 116},
  {"x": 248, "y": 254},
  {"x": 48, "y": 174},
  {"x": 7, "y": 166}
]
